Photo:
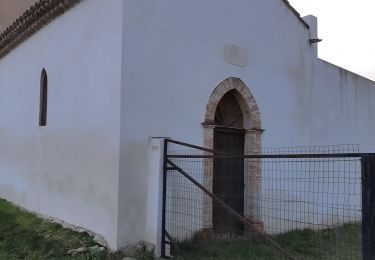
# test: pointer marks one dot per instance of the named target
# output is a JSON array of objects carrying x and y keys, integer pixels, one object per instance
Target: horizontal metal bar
[
  {"x": 190, "y": 156},
  {"x": 270, "y": 156},
  {"x": 190, "y": 146},
  {"x": 196, "y": 147}
]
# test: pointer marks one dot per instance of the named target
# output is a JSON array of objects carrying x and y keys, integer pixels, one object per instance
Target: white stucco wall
[
  {"x": 343, "y": 108},
  {"x": 173, "y": 58},
  {"x": 68, "y": 169}
]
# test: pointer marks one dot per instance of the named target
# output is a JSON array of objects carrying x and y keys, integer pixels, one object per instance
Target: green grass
[
  {"x": 343, "y": 242},
  {"x": 25, "y": 236}
]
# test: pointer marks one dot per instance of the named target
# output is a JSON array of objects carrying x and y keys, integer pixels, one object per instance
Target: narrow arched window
[{"x": 43, "y": 98}]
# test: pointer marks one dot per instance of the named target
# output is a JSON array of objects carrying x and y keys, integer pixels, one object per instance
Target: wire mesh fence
[{"x": 287, "y": 203}]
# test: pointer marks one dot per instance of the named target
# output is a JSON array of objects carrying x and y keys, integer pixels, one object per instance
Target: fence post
[
  {"x": 154, "y": 213},
  {"x": 164, "y": 197},
  {"x": 368, "y": 206}
]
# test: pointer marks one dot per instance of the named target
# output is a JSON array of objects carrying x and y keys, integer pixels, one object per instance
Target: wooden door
[{"x": 228, "y": 180}]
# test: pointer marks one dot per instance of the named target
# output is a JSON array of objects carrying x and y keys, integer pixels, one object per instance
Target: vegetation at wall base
[
  {"x": 342, "y": 242},
  {"x": 25, "y": 236}
]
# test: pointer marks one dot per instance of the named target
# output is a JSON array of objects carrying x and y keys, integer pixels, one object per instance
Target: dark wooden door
[{"x": 228, "y": 180}]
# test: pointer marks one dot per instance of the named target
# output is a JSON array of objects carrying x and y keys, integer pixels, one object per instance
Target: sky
[{"x": 347, "y": 28}]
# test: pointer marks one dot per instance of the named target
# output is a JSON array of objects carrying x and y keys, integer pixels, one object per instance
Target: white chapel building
[{"x": 86, "y": 86}]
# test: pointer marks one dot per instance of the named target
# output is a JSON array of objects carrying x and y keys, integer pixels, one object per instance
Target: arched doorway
[
  {"x": 228, "y": 173},
  {"x": 232, "y": 124}
]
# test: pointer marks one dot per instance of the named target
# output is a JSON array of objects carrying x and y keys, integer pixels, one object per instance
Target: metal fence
[{"x": 292, "y": 203}]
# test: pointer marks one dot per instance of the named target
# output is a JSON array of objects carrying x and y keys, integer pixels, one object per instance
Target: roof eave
[
  {"x": 40, "y": 14},
  {"x": 296, "y": 13}
]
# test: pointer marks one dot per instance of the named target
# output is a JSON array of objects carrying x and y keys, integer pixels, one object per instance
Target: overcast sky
[{"x": 347, "y": 28}]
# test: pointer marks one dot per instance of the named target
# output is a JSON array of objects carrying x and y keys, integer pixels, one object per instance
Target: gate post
[
  {"x": 154, "y": 212},
  {"x": 368, "y": 206}
]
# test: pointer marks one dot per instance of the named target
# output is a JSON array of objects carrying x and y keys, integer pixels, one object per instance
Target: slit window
[{"x": 43, "y": 98}]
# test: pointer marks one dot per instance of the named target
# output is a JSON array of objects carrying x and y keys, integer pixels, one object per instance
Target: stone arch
[
  {"x": 250, "y": 110},
  {"x": 252, "y": 145},
  {"x": 244, "y": 98}
]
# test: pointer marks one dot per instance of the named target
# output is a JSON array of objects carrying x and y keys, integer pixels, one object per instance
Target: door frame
[{"x": 253, "y": 132}]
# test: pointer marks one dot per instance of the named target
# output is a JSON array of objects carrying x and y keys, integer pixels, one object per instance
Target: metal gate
[{"x": 295, "y": 203}]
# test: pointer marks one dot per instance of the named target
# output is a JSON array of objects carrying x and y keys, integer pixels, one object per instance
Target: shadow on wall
[{"x": 36, "y": 169}]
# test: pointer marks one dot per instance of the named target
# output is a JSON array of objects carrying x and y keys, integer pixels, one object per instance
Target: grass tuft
[
  {"x": 343, "y": 242},
  {"x": 25, "y": 236}
]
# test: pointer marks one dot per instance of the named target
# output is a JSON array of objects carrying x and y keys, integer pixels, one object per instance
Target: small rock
[
  {"x": 132, "y": 249},
  {"x": 94, "y": 248},
  {"x": 77, "y": 251},
  {"x": 149, "y": 248},
  {"x": 100, "y": 240}
]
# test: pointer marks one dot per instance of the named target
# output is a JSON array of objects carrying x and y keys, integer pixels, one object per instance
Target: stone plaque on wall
[{"x": 235, "y": 55}]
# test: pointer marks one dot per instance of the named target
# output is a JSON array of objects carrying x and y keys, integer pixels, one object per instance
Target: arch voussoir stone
[{"x": 247, "y": 102}]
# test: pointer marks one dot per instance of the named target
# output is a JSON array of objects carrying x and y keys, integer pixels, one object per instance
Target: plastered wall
[{"x": 68, "y": 169}]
